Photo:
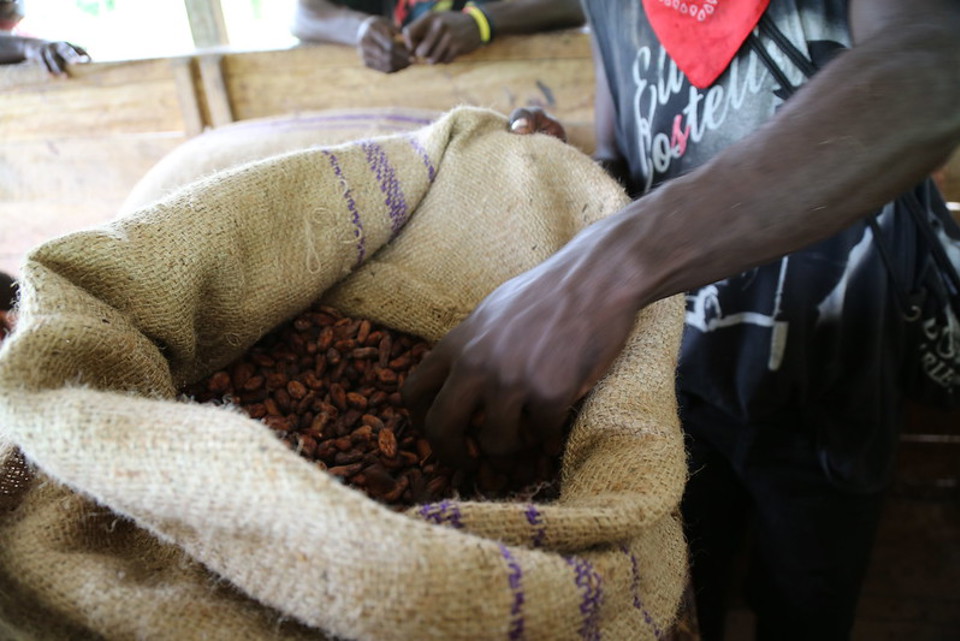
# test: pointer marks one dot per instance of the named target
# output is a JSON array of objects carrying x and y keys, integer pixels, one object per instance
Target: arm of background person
[
  {"x": 870, "y": 125},
  {"x": 442, "y": 36},
  {"x": 376, "y": 38},
  {"x": 53, "y": 55},
  {"x": 11, "y": 49},
  {"x": 322, "y": 21},
  {"x": 531, "y": 16}
]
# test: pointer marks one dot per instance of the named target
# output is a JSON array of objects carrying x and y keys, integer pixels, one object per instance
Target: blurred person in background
[
  {"x": 17, "y": 47},
  {"x": 391, "y": 35}
]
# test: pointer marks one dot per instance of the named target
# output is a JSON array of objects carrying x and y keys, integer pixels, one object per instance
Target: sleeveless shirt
[{"x": 810, "y": 341}]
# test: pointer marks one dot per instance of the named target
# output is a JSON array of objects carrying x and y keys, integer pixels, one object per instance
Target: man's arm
[
  {"x": 870, "y": 125},
  {"x": 531, "y": 16},
  {"x": 322, "y": 21},
  {"x": 378, "y": 41},
  {"x": 53, "y": 55},
  {"x": 11, "y": 49},
  {"x": 442, "y": 36}
]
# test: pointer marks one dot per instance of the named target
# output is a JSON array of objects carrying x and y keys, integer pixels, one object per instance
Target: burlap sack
[
  {"x": 147, "y": 517},
  {"x": 231, "y": 145}
]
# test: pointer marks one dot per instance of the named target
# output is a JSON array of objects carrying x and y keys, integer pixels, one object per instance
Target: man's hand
[
  {"x": 381, "y": 45},
  {"x": 529, "y": 351},
  {"x": 55, "y": 56},
  {"x": 534, "y": 120},
  {"x": 439, "y": 37}
]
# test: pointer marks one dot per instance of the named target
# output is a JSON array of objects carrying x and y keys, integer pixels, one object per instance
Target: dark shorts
[{"x": 809, "y": 542}]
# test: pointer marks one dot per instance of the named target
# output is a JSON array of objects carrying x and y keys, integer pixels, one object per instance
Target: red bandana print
[{"x": 703, "y": 36}]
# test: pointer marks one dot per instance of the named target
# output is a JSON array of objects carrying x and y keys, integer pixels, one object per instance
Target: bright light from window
[
  {"x": 259, "y": 24},
  {"x": 131, "y": 29},
  {"x": 112, "y": 29}
]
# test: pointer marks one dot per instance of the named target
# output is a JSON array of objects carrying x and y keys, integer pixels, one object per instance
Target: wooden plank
[
  {"x": 553, "y": 72},
  {"x": 218, "y": 103},
  {"x": 184, "y": 71},
  {"x": 207, "y": 25},
  {"x": 106, "y": 98},
  {"x": 95, "y": 168}
]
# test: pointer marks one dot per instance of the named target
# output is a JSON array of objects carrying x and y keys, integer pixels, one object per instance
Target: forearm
[
  {"x": 869, "y": 126},
  {"x": 530, "y": 16},
  {"x": 320, "y": 21},
  {"x": 11, "y": 49}
]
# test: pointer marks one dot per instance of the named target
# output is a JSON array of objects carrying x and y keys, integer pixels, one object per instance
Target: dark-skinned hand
[
  {"x": 530, "y": 350},
  {"x": 439, "y": 37},
  {"x": 55, "y": 56},
  {"x": 382, "y": 47},
  {"x": 534, "y": 120}
]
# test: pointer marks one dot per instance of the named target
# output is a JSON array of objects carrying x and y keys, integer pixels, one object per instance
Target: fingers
[
  {"x": 500, "y": 430},
  {"x": 382, "y": 47},
  {"x": 544, "y": 422},
  {"x": 53, "y": 61},
  {"x": 55, "y": 56},
  {"x": 72, "y": 53},
  {"x": 522, "y": 121},
  {"x": 413, "y": 34},
  {"x": 390, "y": 59},
  {"x": 445, "y": 402},
  {"x": 439, "y": 408},
  {"x": 431, "y": 45},
  {"x": 81, "y": 53},
  {"x": 533, "y": 120},
  {"x": 447, "y": 421},
  {"x": 423, "y": 383}
]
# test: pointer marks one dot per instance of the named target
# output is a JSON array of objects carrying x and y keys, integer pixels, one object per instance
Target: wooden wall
[{"x": 71, "y": 149}]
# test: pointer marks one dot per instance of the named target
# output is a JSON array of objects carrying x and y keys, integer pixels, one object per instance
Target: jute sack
[
  {"x": 231, "y": 145},
  {"x": 135, "y": 515}
]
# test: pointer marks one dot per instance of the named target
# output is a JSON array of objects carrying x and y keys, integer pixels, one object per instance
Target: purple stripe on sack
[
  {"x": 431, "y": 170},
  {"x": 389, "y": 184},
  {"x": 591, "y": 585},
  {"x": 535, "y": 519},
  {"x": 635, "y": 589},
  {"x": 444, "y": 512},
  {"x": 516, "y": 586},
  {"x": 351, "y": 207}
]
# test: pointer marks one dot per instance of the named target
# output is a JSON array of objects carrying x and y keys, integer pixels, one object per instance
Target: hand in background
[
  {"x": 534, "y": 120},
  {"x": 439, "y": 37},
  {"x": 55, "y": 56},
  {"x": 382, "y": 46}
]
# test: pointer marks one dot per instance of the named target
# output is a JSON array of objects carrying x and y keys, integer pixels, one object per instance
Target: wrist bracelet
[{"x": 483, "y": 22}]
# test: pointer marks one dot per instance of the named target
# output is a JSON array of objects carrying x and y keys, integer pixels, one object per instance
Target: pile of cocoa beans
[{"x": 329, "y": 386}]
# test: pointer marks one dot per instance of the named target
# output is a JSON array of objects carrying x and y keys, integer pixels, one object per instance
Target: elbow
[
  {"x": 310, "y": 24},
  {"x": 298, "y": 29}
]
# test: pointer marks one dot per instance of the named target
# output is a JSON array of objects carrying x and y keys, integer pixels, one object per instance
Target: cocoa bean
[
  {"x": 296, "y": 389},
  {"x": 387, "y": 443},
  {"x": 219, "y": 382},
  {"x": 345, "y": 470}
]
